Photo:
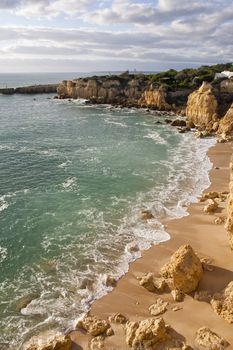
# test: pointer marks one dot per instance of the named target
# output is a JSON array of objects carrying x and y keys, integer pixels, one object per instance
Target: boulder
[
  {"x": 152, "y": 283},
  {"x": 158, "y": 308},
  {"x": 209, "y": 195},
  {"x": 178, "y": 122},
  {"x": 184, "y": 271},
  {"x": 202, "y": 106},
  {"x": 58, "y": 343},
  {"x": 93, "y": 325},
  {"x": 211, "y": 206},
  {"x": 209, "y": 340},
  {"x": 222, "y": 303},
  {"x": 146, "y": 334}
]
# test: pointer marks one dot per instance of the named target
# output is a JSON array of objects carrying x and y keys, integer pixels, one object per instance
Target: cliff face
[
  {"x": 202, "y": 106},
  {"x": 104, "y": 89},
  {"x": 155, "y": 98},
  {"x": 225, "y": 130},
  {"x": 229, "y": 222}
]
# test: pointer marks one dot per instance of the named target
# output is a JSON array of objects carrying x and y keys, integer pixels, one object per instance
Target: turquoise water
[{"x": 73, "y": 179}]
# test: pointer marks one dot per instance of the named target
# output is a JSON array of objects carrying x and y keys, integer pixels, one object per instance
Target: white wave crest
[{"x": 154, "y": 135}]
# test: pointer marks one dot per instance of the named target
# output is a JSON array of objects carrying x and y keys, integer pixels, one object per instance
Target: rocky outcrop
[
  {"x": 155, "y": 98},
  {"x": 226, "y": 86},
  {"x": 222, "y": 303},
  {"x": 229, "y": 221},
  {"x": 58, "y": 343},
  {"x": 202, "y": 106},
  {"x": 146, "y": 334},
  {"x": 225, "y": 130},
  {"x": 209, "y": 340},
  {"x": 184, "y": 271},
  {"x": 94, "y": 326}
]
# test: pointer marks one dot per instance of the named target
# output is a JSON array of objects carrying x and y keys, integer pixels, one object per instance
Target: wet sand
[{"x": 208, "y": 240}]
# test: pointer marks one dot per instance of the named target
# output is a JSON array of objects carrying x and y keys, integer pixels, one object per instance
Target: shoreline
[{"x": 132, "y": 300}]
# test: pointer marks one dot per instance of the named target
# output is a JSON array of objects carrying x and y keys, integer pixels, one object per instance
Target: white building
[{"x": 224, "y": 74}]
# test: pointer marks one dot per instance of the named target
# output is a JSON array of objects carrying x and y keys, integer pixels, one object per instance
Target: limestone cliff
[
  {"x": 229, "y": 223},
  {"x": 155, "y": 98},
  {"x": 202, "y": 106},
  {"x": 107, "y": 89},
  {"x": 225, "y": 130}
]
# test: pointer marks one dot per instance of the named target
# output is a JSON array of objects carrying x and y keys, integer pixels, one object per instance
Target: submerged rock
[
  {"x": 184, "y": 271},
  {"x": 93, "y": 325},
  {"x": 222, "y": 303},
  {"x": 209, "y": 340},
  {"x": 178, "y": 122},
  {"x": 110, "y": 281},
  {"x": 146, "y": 215},
  {"x": 26, "y": 300},
  {"x": 146, "y": 334}
]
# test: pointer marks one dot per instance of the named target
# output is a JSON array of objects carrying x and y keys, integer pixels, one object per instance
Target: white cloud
[{"x": 166, "y": 33}]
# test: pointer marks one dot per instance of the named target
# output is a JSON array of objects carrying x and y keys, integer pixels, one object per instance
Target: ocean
[{"x": 73, "y": 181}]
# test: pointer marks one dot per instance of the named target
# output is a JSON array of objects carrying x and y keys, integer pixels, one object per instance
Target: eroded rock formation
[
  {"x": 184, "y": 271},
  {"x": 156, "y": 98},
  {"x": 146, "y": 334},
  {"x": 209, "y": 340},
  {"x": 229, "y": 221},
  {"x": 58, "y": 343},
  {"x": 94, "y": 326},
  {"x": 222, "y": 303},
  {"x": 202, "y": 106},
  {"x": 225, "y": 130}
]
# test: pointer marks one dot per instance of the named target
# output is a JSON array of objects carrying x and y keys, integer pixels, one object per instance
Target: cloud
[
  {"x": 162, "y": 34},
  {"x": 47, "y": 8}
]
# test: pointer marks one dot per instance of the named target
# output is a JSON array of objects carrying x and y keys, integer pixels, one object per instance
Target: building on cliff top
[{"x": 224, "y": 74}]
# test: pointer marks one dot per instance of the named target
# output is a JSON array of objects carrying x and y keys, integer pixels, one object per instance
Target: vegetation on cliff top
[{"x": 188, "y": 78}]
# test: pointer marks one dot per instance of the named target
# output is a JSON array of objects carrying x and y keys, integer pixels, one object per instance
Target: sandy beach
[{"x": 208, "y": 240}]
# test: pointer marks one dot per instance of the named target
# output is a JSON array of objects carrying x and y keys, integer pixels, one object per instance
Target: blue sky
[{"x": 88, "y": 35}]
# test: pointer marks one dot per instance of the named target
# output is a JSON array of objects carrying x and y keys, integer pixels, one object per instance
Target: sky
[{"x": 113, "y": 35}]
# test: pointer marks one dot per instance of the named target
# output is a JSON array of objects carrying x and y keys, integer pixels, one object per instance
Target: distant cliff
[{"x": 34, "y": 89}]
